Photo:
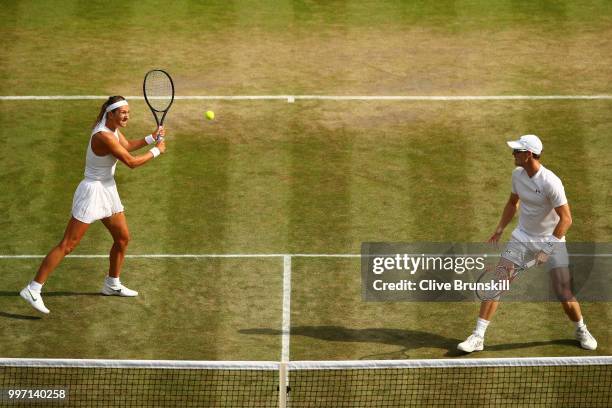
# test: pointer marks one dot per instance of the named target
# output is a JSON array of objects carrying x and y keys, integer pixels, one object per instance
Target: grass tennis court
[{"x": 310, "y": 177}]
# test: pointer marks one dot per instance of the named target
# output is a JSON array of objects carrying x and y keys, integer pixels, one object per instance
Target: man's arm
[
  {"x": 507, "y": 215},
  {"x": 549, "y": 246},
  {"x": 565, "y": 221}
]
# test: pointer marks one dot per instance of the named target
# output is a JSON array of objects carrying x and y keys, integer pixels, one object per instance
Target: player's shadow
[
  {"x": 514, "y": 346},
  {"x": 19, "y": 316},
  {"x": 47, "y": 294},
  {"x": 51, "y": 294},
  {"x": 406, "y": 339},
  {"x": 453, "y": 352},
  {"x": 68, "y": 293}
]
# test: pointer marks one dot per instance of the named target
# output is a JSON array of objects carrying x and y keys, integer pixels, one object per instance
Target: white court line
[
  {"x": 293, "y": 98},
  {"x": 286, "y": 325},
  {"x": 285, "y": 333},
  {"x": 601, "y": 255},
  {"x": 448, "y": 97},
  {"x": 154, "y": 256},
  {"x": 193, "y": 256}
]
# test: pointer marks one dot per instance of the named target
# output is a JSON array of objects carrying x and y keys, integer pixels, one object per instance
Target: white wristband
[
  {"x": 155, "y": 152},
  {"x": 149, "y": 139}
]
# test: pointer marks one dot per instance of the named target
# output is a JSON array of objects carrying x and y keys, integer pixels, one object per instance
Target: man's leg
[
  {"x": 561, "y": 281},
  {"x": 475, "y": 342}
]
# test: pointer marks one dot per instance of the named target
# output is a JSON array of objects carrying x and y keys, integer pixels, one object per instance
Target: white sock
[
  {"x": 35, "y": 286},
  {"x": 580, "y": 323},
  {"x": 481, "y": 327},
  {"x": 112, "y": 281}
]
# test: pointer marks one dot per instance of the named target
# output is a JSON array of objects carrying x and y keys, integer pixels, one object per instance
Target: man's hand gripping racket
[{"x": 497, "y": 279}]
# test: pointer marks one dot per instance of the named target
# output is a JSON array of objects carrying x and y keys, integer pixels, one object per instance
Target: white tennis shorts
[
  {"x": 523, "y": 247},
  {"x": 94, "y": 200}
]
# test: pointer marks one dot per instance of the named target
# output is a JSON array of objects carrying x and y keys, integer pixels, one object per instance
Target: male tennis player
[
  {"x": 96, "y": 198},
  {"x": 543, "y": 222}
]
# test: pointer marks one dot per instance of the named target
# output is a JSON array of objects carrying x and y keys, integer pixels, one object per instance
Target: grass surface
[
  {"x": 179, "y": 314},
  {"x": 304, "y": 47},
  {"x": 324, "y": 177},
  {"x": 309, "y": 177}
]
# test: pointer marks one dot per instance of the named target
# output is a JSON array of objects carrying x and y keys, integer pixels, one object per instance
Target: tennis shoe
[
  {"x": 118, "y": 290},
  {"x": 473, "y": 343},
  {"x": 587, "y": 341},
  {"x": 34, "y": 299}
]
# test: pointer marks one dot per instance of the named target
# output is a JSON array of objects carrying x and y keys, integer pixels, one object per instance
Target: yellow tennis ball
[{"x": 210, "y": 115}]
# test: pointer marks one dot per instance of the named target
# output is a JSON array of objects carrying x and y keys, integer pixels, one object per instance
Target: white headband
[
  {"x": 110, "y": 108},
  {"x": 116, "y": 105}
]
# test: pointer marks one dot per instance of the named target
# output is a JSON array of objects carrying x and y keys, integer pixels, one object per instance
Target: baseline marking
[
  {"x": 602, "y": 255},
  {"x": 295, "y": 98},
  {"x": 192, "y": 256}
]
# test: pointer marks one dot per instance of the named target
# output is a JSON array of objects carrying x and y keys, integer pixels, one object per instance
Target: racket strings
[
  {"x": 495, "y": 276},
  {"x": 158, "y": 89},
  {"x": 503, "y": 272}
]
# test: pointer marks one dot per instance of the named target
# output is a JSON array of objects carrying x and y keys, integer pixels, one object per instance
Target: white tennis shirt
[
  {"x": 539, "y": 196},
  {"x": 100, "y": 167}
]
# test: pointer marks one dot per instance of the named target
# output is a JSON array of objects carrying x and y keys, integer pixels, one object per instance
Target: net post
[{"x": 282, "y": 385}]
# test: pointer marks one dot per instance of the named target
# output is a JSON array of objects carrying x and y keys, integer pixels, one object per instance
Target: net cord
[
  {"x": 163, "y": 364},
  {"x": 446, "y": 363},
  {"x": 306, "y": 365}
]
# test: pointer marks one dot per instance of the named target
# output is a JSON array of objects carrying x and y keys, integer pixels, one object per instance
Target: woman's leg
[
  {"x": 72, "y": 236},
  {"x": 117, "y": 226}
]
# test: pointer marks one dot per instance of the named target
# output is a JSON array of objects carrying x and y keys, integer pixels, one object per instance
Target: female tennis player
[
  {"x": 544, "y": 220},
  {"x": 96, "y": 198}
]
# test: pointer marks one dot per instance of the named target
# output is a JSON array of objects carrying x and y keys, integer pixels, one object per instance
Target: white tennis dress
[{"x": 97, "y": 197}]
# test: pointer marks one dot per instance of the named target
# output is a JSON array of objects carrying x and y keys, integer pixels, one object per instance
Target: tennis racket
[
  {"x": 158, "y": 90},
  {"x": 496, "y": 278}
]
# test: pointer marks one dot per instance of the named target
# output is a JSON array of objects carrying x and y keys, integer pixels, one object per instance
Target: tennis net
[
  {"x": 515, "y": 382},
  {"x": 134, "y": 383}
]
